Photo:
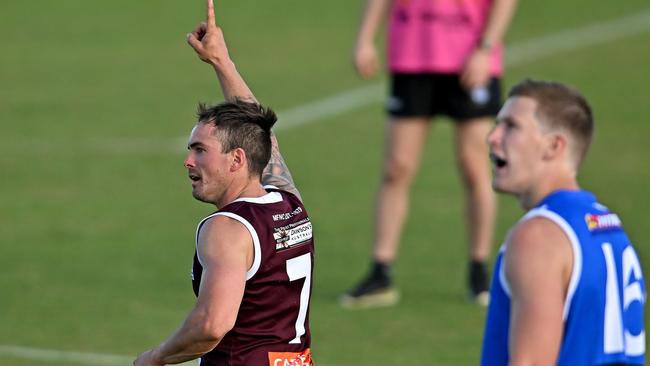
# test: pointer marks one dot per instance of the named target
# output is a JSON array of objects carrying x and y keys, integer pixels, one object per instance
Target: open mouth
[
  {"x": 194, "y": 177},
  {"x": 498, "y": 161}
]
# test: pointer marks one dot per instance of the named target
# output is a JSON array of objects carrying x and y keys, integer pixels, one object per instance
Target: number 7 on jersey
[{"x": 297, "y": 268}]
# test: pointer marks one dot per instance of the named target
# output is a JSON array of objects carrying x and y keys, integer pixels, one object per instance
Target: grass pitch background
[{"x": 96, "y": 216}]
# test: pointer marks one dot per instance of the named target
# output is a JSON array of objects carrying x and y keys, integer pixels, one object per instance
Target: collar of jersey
[{"x": 271, "y": 197}]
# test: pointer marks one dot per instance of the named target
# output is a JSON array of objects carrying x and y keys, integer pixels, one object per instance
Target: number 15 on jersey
[{"x": 624, "y": 301}]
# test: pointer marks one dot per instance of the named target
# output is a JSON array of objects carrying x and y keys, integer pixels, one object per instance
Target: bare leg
[
  {"x": 473, "y": 164},
  {"x": 405, "y": 139},
  {"x": 474, "y": 167}
]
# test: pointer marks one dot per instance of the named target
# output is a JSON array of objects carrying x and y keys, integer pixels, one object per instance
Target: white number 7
[{"x": 297, "y": 268}]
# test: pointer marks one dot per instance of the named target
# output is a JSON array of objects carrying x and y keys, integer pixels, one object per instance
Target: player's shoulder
[
  {"x": 537, "y": 235},
  {"x": 533, "y": 226},
  {"x": 537, "y": 249},
  {"x": 221, "y": 225}
]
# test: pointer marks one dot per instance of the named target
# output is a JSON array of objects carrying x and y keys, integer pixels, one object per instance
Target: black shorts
[{"x": 429, "y": 95}]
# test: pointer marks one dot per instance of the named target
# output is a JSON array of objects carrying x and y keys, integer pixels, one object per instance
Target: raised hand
[{"x": 207, "y": 39}]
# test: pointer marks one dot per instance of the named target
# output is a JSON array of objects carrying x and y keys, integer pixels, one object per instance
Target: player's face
[
  {"x": 516, "y": 143},
  {"x": 206, "y": 164}
]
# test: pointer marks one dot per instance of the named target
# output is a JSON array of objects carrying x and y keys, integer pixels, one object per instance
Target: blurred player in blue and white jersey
[{"x": 567, "y": 287}]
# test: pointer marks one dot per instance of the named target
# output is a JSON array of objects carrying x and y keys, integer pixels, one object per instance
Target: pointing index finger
[{"x": 211, "y": 22}]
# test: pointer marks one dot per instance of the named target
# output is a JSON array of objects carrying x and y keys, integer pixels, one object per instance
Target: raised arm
[
  {"x": 276, "y": 172},
  {"x": 208, "y": 42}
]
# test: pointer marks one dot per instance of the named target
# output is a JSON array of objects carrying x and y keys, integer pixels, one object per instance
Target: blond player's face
[
  {"x": 206, "y": 164},
  {"x": 516, "y": 147}
]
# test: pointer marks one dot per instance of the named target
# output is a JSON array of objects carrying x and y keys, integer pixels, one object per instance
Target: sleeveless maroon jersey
[{"x": 272, "y": 326}]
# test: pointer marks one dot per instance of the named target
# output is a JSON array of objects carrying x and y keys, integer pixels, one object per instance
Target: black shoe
[
  {"x": 479, "y": 290},
  {"x": 373, "y": 291}
]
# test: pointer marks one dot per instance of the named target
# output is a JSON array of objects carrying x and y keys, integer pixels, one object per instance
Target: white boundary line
[
  {"x": 338, "y": 104},
  {"x": 64, "y": 356},
  {"x": 518, "y": 54},
  {"x": 527, "y": 51}
]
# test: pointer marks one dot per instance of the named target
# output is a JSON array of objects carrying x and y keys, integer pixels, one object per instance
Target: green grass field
[{"x": 96, "y": 216}]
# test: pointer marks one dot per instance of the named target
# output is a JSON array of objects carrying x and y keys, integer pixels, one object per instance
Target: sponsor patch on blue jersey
[{"x": 609, "y": 221}]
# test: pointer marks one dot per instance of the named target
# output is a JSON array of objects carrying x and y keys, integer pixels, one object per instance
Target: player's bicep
[
  {"x": 536, "y": 258},
  {"x": 225, "y": 248}
]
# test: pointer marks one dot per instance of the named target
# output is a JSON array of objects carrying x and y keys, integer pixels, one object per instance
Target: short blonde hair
[{"x": 560, "y": 107}]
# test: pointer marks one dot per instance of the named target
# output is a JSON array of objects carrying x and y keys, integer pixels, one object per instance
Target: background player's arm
[
  {"x": 208, "y": 42},
  {"x": 365, "y": 52},
  {"x": 498, "y": 21},
  {"x": 538, "y": 266},
  {"x": 226, "y": 251},
  {"x": 476, "y": 72}
]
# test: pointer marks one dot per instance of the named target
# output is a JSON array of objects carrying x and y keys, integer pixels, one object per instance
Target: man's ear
[
  {"x": 556, "y": 144},
  {"x": 238, "y": 159}
]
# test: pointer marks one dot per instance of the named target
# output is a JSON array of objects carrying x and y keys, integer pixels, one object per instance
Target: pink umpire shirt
[{"x": 437, "y": 35}]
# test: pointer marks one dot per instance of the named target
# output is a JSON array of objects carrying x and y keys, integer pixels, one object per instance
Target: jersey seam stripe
[{"x": 502, "y": 274}]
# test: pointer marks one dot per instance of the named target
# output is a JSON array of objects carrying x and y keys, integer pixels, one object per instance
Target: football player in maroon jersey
[{"x": 253, "y": 262}]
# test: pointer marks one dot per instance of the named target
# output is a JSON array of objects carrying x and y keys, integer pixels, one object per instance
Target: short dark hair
[
  {"x": 242, "y": 124},
  {"x": 560, "y": 107}
]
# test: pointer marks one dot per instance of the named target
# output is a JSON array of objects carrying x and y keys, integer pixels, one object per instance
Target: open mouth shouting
[
  {"x": 498, "y": 161},
  {"x": 194, "y": 177}
]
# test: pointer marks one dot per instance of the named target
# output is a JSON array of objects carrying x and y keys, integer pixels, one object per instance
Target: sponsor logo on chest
[
  {"x": 292, "y": 235},
  {"x": 608, "y": 221}
]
